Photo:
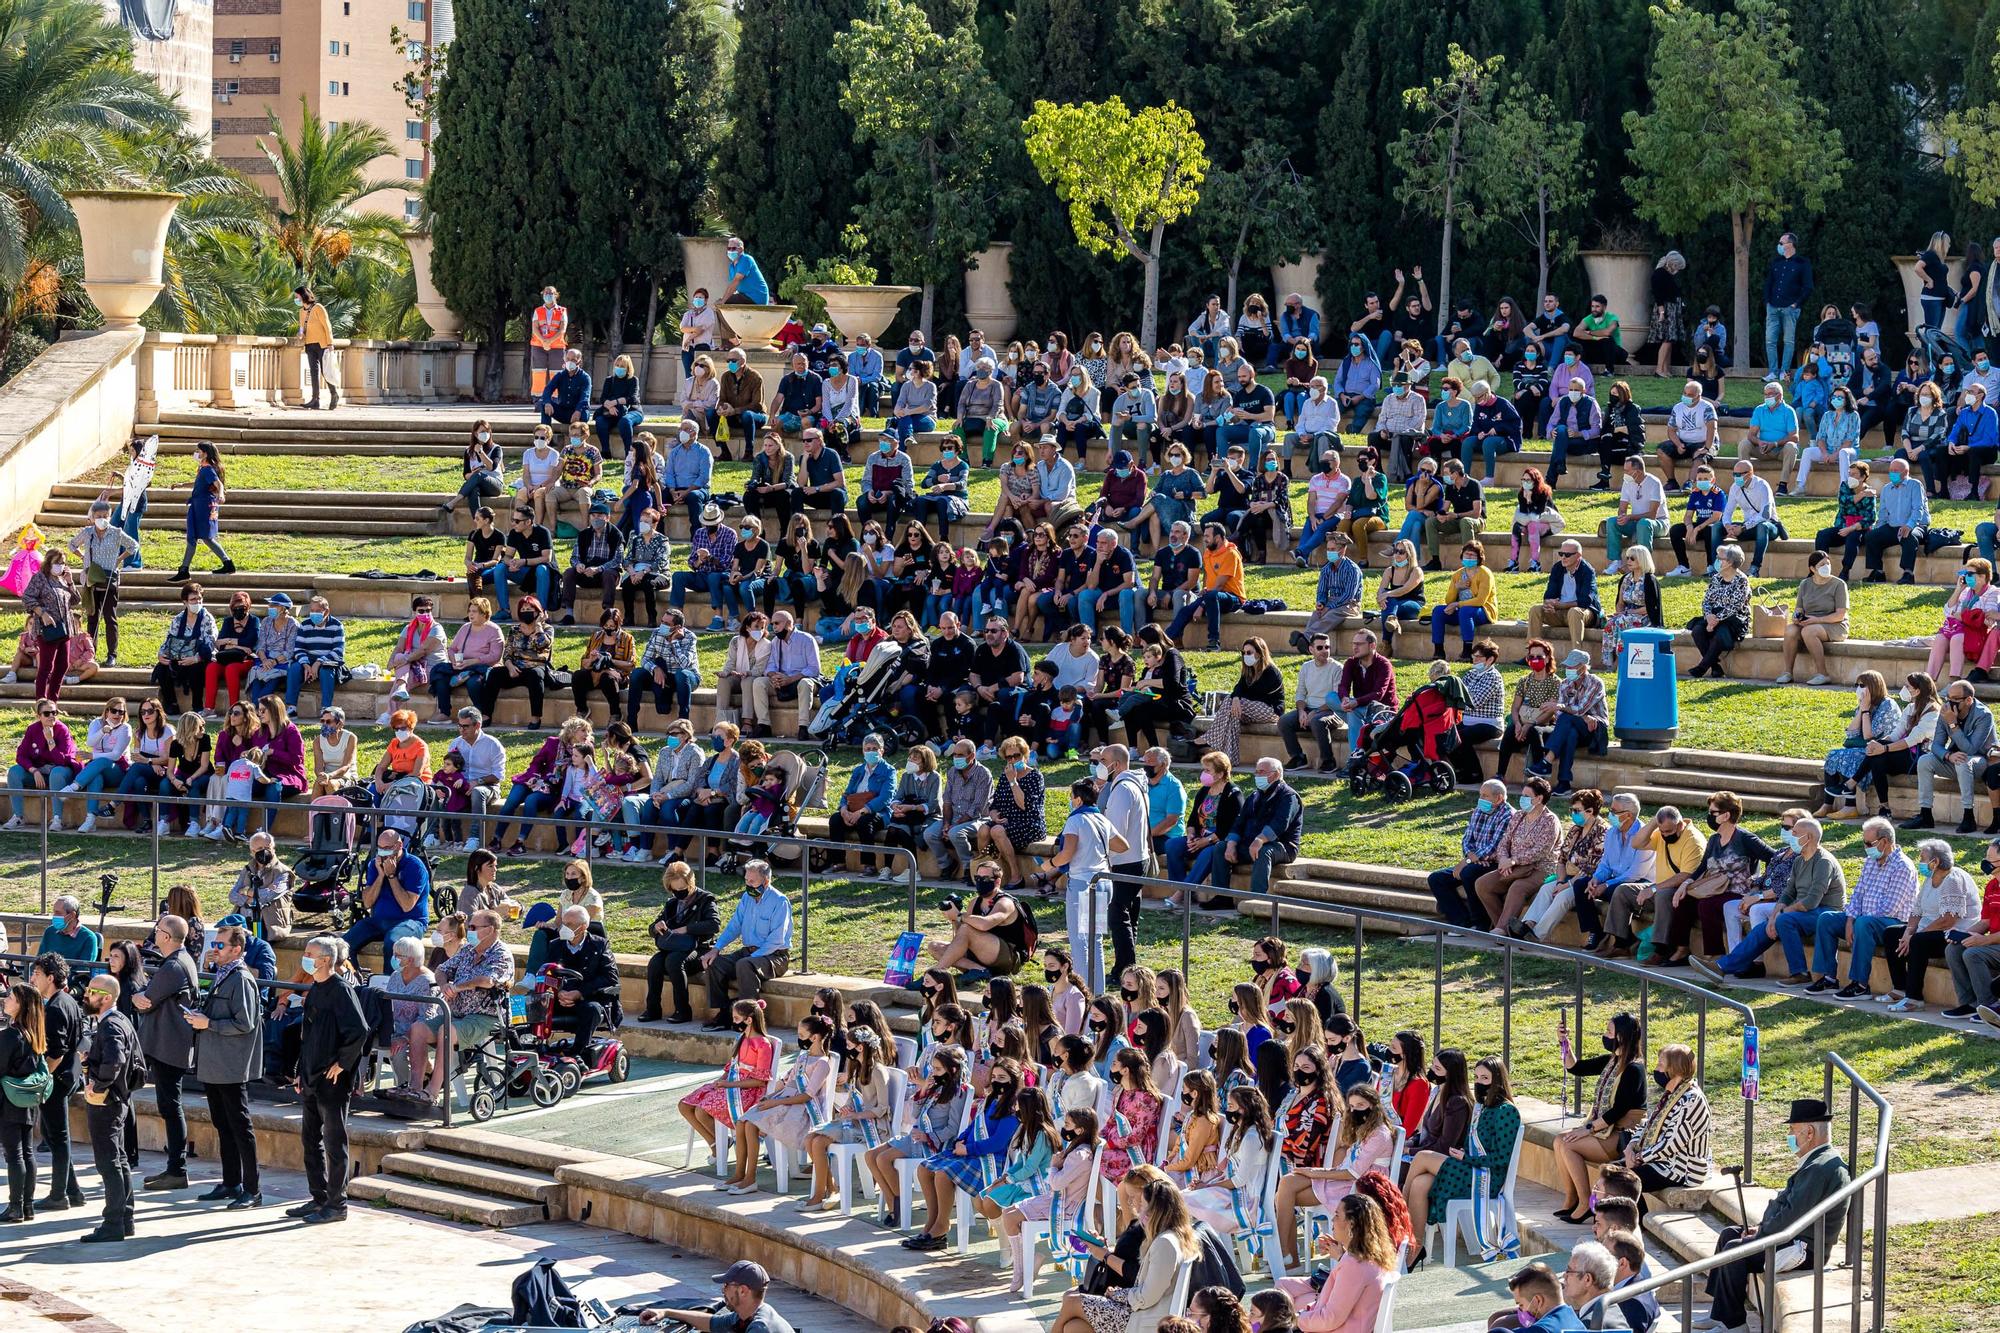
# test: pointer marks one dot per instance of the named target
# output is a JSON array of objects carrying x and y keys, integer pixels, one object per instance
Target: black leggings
[
  {"x": 1878, "y": 769},
  {"x": 1533, "y": 747},
  {"x": 647, "y": 589},
  {"x": 582, "y": 683},
  {"x": 506, "y": 677},
  {"x": 17, "y": 1139}
]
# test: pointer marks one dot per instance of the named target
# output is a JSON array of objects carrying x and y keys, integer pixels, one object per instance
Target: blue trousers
[
  {"x": 712, "y": 584},
  {"x": 1315, "y": 534},
  {"x": 1190, "y": 868},
  {"x": 1467, "y": 618},
  {"x": 368, "y": 930},
  {"x": 17, "y": 781},
  {"x": 1779, "y": 320},
  {"x": 1795, "y": 928},
  {"x": 537, "y": 579},
  {"x": 1252, "y": 435},
  {"x": 624, "y": 424},
  {"x": 1489, "y": 447},
  {"x": 1214, "y": 604},
  {"x": 1127, "y": 602},
  {"x": 99, "y": 775},
  {"x": 1565, "y": 738},
  {"x": 905, "y": 427},
  {"x": 472, "y": 678},
  {"x": 295, "y": 678},
  {"x": 129, "y": 522},
  {"x": 1861, "y": 950}
]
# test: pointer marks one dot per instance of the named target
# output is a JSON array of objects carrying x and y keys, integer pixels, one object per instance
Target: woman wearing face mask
[
  {"x": 483, "y": 466},
  {"x": 1264, "y": 524},
  {"x": 524, "y": 662},
  {"x": 1139, "y": 1104},
  {"x": 1470, "y": 600},
  {"x": 1923, "y": 440},
  {"x": 1173, "y": 420},
  {"x": 409, "y": 981},
  {"x": 1295, "y": 1027},
  {"x": 1490, "y": 1142},
  {"x": 1399, "y": 594},
  {"x": 786, "y": 1115},
  {"x": 1531, "y": 386},
  {"x": 1258, "y": 696},
  {"x": 1019, "y": 488},
  {"x": 1069, "y": 998},
  {"x": 1672, "y": 1150},
  {"x": 1947, "y": 910},
  {"x": 916, "y": 405},
  {"x": 1525, "y": 857},
  {"x": 1448, "y": 1112},
  {"x": 1886, "y": 738},
  {"x": 1971, "y": 614},
  {"x": 1535, "y": 517},
  {"x": 969, "y": 1158},
  {"x": 1617, "y": 1105},
  {"x": 1212, "y": 407},
  {"x": 47, "y": 599},
  {"x": 1078, "y": 417},
  {"x": 1362, "y": 1145},
  {"x": 1836, "y": 440},
  {"x": 1451, "y": 419},
  {"x": 1724, "y": 621},
  {"x": 204, "y": 511},
  {"x": 1854, "y": 517},
  {"x": 744, "y": 1082},
  {"x": 1819, "y": 617},
  {"x": 773, "y": 488},
  {"x": 1068, "y": 1178}
]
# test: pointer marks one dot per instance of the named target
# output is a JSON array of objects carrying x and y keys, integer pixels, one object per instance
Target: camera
[
  {"x": 951, "y": 902},
  {"x": 1378, "y": 1051}
]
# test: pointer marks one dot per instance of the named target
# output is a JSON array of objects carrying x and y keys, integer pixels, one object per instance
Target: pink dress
[
  {"x": 1350, "y": 1299},
  {"x": 1068, "y": 1180},
  {"x": 790, "y": 1125},
  {"x": 1370, "y": 1154},
  {"x": 754, "y": 1058},
  {"x": 1141, "y": 1136}
]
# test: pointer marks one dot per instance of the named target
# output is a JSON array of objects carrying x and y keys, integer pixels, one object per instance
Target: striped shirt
[{"x": 1674, "y": 1141}]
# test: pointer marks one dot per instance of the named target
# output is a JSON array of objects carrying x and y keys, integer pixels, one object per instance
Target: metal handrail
[
  {"x": 804, "y": 845},
  {"x": 1468, "y": 937},
  {"x": 448, "y": 1037},
  {"x": 1850, "y": 1196}
]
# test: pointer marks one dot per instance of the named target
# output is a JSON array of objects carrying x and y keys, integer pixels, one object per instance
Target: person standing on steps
[
  {"x": 204, "y": 511},
  {"x": 316, "y": 332},
  {"x": 172, "y": 989},
  {"x": 110, "y": 1066},
  {"x": 103, "y": 549},
  {"x": 548, "y": 339},
  {"x": 229, "y": 1053},
  {"x": 62, "y": 1024}
]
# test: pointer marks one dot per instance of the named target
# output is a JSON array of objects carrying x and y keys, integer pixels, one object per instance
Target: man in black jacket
[
  {"x": 1268, "y": 831},
  {"x": 331, "y": 1041},
  {"x": 168, "y": 1041},
  {"x": 62, "y": 1022},
  {"x": 112, "y": 1058},
  {"x": 688, "y": 920},
  {"x": 594, "y": 562},
  {"x": 587, "y": 1004},
  {"x": 1821, "y": 1173},
  {"x": 950, "y": 664}
]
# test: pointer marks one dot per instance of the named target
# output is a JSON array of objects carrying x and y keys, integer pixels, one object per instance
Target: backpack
[
  {"x": 31, "y": 1091},
  {"x": 1030, "y": 930}
]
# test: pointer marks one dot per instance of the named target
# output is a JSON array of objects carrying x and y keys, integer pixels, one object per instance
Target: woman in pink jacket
[{"x": 1367, "y": 1269}]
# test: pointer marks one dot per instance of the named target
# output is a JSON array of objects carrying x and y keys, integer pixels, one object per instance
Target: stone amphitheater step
[
  {"x": 1697, "y": 796},
  {"x": 485, "y": 1145},
  {"x": 443, "y": 1167},
  {"x": 450, "y": 1202},
  {"x": 1740, "y": 781}
]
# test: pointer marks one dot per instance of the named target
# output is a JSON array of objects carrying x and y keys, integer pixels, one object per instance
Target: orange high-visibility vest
[{"x": 548, "y": 326}]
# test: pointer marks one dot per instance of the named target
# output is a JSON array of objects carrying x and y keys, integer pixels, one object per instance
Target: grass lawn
[{"x": 1944, "y": 1277}]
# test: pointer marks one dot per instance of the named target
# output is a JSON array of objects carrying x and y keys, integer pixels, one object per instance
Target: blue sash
[{"x": 1504, "y": 1243}]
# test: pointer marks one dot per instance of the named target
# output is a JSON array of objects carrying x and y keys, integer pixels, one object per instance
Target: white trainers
[
  {"x": 431, "y": 841},
  {"x": 89, "y": 824},
  {"x": 471, "y": 845},
  {"x": 11, "y": 825},
  {"x": 11, "y": 678},
  {"x": 1611, "y": 568},
  {"x": 163, "y": 828},
  {"x": 55, "y": 824},
  {"x": 1680, "y": 572},
  {"x": 67, "y": 789}
]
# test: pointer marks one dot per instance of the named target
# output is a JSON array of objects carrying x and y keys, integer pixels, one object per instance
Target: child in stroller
[
  {"x": 864, "y": 704},
  {"x": 1427, "y": 724}
]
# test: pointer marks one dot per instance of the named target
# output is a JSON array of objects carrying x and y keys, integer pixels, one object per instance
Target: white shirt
[
  {"x": 1328, "y": 492},
  {"x": 1093, "y": 853},
  {"x": 1318, "y": 416},
  {"x": 1127, "y": 809},
  {"x": 1691, "y": 423},
  {"x": 1643, "y": 499},
  {"x": 1072, "y": 669},
  {"x": 1755, "y": 501},
  {"x": 1319, "y": 684},
  {"x": 485, "y": 759}
]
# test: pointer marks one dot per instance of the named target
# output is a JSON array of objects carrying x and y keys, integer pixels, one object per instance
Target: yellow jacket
[
  {"x": 314, "y": 328},
  {"x": 1480, "y": 583}
]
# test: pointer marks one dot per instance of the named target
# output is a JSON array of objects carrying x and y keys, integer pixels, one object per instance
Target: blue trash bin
[{"x": 1649, "y": 705}]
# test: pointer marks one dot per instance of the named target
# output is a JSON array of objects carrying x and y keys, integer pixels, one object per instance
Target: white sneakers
[
  {"x": 11, "y": 825},
  {"x": 89, "y": 824},
  {"x": 163, "y": 828},
  {"x": 471, "y": 845}
]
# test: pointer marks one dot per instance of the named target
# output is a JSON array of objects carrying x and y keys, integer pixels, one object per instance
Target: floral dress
[
  {"x": 1489, "y": 1146},
  {"x": 755, "y": 1057},
  {"x": 1308, "y": 1121},
  {"x": 1884, "y": 720},
  {"x": 1026, "y": 823},
  {"x": 790, "y": 1125},
  {"x": 1138, "y": 1136},
  {"x": 1628, "y": 612}
]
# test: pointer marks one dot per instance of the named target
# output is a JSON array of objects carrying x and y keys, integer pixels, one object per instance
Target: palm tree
[
  {"x": 211, "y": 270},
  {"x": 70, "y": 106},
  {"x": 321, "y": 179}
]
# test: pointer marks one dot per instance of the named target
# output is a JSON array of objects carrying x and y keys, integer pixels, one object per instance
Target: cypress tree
[{"x": 786, "y": 174}]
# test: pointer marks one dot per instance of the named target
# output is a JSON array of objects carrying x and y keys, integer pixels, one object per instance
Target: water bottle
[{"x": 1750, "y": 1061}]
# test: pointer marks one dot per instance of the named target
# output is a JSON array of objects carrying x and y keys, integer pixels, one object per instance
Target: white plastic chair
[
  {"x": 906, "y": 1170},
  {"x": 1385, "y": 1313},
  {"x": 783, "y": 1160},
  {"x": 725, "y": 1137},
  {"x": 1178, "y": 1303},
  {"x": 844, "y": 1158},
  {"x": 1499, "y": 1209},
  {"x": 1261, "y": 1236},
  {"x": 1315, "y": 1215},
  {"x": 1037, "y": 1233},
  {"x": 1204, "y": 1051},
  {"x": 906, "y": 1051}
]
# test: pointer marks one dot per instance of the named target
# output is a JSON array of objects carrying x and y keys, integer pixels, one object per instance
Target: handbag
[
  {"x": 48, "y": 633},
  {"x": 30, "y": 1092}
]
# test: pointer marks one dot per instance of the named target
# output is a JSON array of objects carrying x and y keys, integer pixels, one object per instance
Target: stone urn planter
[
  {"x": 856, "y": 310},
  {"x": 1302, "y": 277},
  {"x": 756, "y": 325},
  {"x": 989, "y": 306},
  {"x": 124, "y": 234},
  {"x": 705, "y": 263},
  {"x": 1913, "y": 290},
  {"x": 1624, "y": 278},
  {"x": 444, "y": 321}
]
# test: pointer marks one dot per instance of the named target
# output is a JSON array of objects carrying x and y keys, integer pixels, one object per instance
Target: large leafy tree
[
  {"x": 1527, "y": 174},
  {"x": 786, "y": 175},
  {"x": 1729, "y": 132},
  {"x": 934, "y": 121},
  {"x": 1125, "y": 177},
  {"x": 317, "y": 220},
  {"x": 1260, "y": 213},
  {"x": 1437, "y": 159}
]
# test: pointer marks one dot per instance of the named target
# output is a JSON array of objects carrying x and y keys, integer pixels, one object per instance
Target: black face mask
[
  {"x": 1483, "y": 1094},
  {"x": 1235, "y": 1008},
  {"x": 265, "y": 857},
  {"x": 1259, "y": 966},
  {"x": 1432, "y": 1076},
  {"x": 1395, "y": 1057},
  {"x": 1130, "y": 993},
  {"x": 1069, "y": 1136},
  {"x": 986, "y": 884},
  {"x": 1233, "y": 1117},
  {"x": 1610, "y": 1043},
  {"x": 1051, "y": 976},
  {"x": 1280, "y": 1025},
  {"x": 1304, "y": 1080},
  {"x": 1660, "y": 1078},
  {"x": 1096, "y": 1026},
  {"x": 1305, "y": 977},
  {"x": 572, "y": 884},
  {"x": 1712, "y": 821}
]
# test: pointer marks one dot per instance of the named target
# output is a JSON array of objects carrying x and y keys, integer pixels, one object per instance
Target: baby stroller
[
  {"x": 1836, "y": 338},
  {"x": 536, "y": 1034},
  {"x": 322, "y": 872},
  {"x": 1427, "y": 724},
  {"x": 864, "y": 705},
  {"x": 805, "y": 789},
  {"x": 406, "y": 806}
]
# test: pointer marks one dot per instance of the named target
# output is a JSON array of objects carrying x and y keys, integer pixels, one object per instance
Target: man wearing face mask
[
  {"x": 395, "y": 895},
  {"x": 1357, "y": 382},
  {"x": 1123, "y": 797},
  {"x": 62, "y": 1021},
  {"x": 1575, "y": 423},
  {"x": 319, "y": 654},
  {"x": 739, "y": 405},
  {"x": 331, "y": 1041},
  {"x": 989, "y": 932},
  {"x": 890, "y": 486},
  {"x": 474, "y": 982},
  {"x": 112, "y": 1065},
  {"x": 229, "y": 1053},
  {"x": 565, "y": 398},
  {"x": 800, "y": 400},
  {"x": 101, "y": 550},
  {"x": 1820, "y": 1174},
  {"x": 1035, "y": 404},
  {"x": 1817, "y": 884},
  {"x": 589, "y": 999},
  {"x": 263, "y": 888},
  {"x": 1133, "y": 414},
  {"x": 164, "y": 1035},
  {"x": 982, "y": 405},
  {"x": 1268, "y": 831},
  {"x": 1222, "y": 588},
  {"x": 1315, "y": 423},
  {"x": 1400, "y": 427},
  {"x": 754, "y": 946}
]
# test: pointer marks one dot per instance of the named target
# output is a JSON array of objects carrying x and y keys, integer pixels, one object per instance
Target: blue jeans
[
  {"x": 624, "y": 424},
  {"x": 1761, "y": 537},
  {"x": 938, "y": 512},
  {"x": 678, "y": 690},
  {"x": 1467, "y": 618},
  {"x": 17, "y": 781},
  {"x": 712, "y": 584},
  {"x": 1565, "y": 739},
  {"x": 1559, "y": 452},
  {"x": 1252, "y": 435},
  {"x": 1291, "y": 401},
  {"x": 744, "y": 427},
  {"x": 1861, "y": 951},
  {"x": 1412, "y": 530},
  {"x": 1755, "y": 942},
  {"x": 99, "y": 775},
  {"x": 1780, "y": 320},
  {"x": 905, "y": 427},
  {"x": 1358, "y": 415},
  {"x": 1128, "y": 614},
  {"x": 1985, "y": 533},
  {"x": 537, "y": 579},
  {"x": 1214, "y": 604},
  {"x": 525, "y": 802},
  {"x": 142, "y": 780},
  {"x": 1317, "y": 530},
  {"x": 295, "y": 678},
  {"x": 1489, "y": 449},
  {"x": 368, "y": 930},
  {"x": 1795, "y": 928},
  {"x": 130, "y": 524},
  {"x": 471, "y": 678},
  {"x": 743, "y": 597},
  {"x": 1184, "y": 867}
]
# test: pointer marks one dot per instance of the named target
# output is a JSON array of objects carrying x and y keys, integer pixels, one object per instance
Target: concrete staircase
[{"x": 483, "y": 1180}]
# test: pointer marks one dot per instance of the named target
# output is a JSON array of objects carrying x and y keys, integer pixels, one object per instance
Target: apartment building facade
[{"x": 343, "y": 58}]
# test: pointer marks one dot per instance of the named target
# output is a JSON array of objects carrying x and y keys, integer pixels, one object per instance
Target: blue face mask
[
  {"x": 888, "y": 445},
  {"x": 1792, "y": 1142},
  {"x": 1469, "y": 562},
  {"x": 1704, "y": 484},
  {"x": 1527, "y": 802},
  {"x": 1690, "y": 398},
  {"x": 871, "y": 757},
  {"x": 673, "y": 742},
  {"x": 1968, "y": 578},
  {"x": 744, "y": 533},
  {"x": 57, "y": 922},
  {"x": 1895, "y": 479},
  {"x": 1402, "y": 390},
  {"x": 1791, "y": 840},
  {"x": 699, "y": 302},
  {"x": 1485, "y": 806},
  {"x": 1569, "y": 358},
  {"x": 1262, "y": 781},
  {"x": 959, "y": 761},
  {"x": 1874, "y": 853},
  {"x": 1578, "y": 818}
]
